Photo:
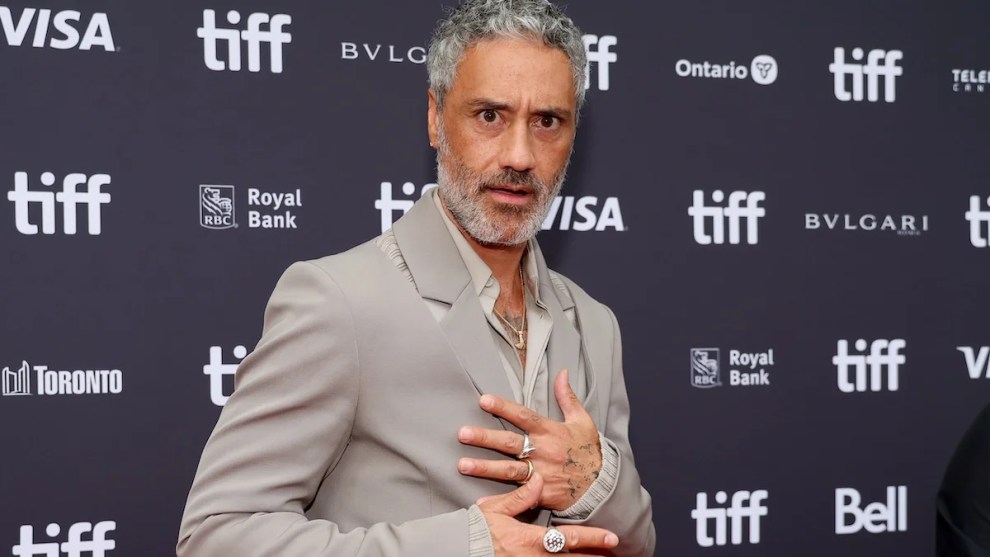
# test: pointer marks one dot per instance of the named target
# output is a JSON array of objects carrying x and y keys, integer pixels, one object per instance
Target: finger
[
  {"x": 520, "y": 416},
  {"x": 587, "y": 537},
  {"x": 506, "y": 470},
  {"x": 507, "y": 442},
  {"x": 516, "y": 501},
  {"x": 568, "y": 401}
]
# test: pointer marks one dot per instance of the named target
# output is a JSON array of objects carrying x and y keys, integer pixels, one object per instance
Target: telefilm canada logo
[
  {"x": 970, "y": 80},
  {"x": 746, "y": 369},
  {"x": 82, "y": 539},
  {"x": 28, "y": 379},
  {"x": 260, "y": 29},
  {"x": 267, "y": 210},
  {"x": 57, "y": 29},
  {"x": 763, "y": 69},
  {"x": 566, "y": 212}
]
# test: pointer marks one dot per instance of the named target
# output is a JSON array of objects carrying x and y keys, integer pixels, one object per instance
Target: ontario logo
[{"x": 216, "y": 207}]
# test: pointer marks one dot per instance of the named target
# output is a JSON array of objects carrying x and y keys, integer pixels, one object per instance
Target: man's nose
[{"x": 517, "y": 149}]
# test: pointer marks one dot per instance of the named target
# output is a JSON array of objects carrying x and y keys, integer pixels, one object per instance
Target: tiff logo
[
  {"x": 977, "y": 220},
  {"x": 851, "y": 369},
  {"x": 876, "y": 518},
  {"x": 69, "y": 198},
  {"x": 388, "y": 206},
  {"x": 878, "y": 63},
  {"x": 734, "y": 213},
  {"x": 217, "y": 370},
  {"x": 16, "y": 383},
  {"x": 745, "y": 504},
  {"x": 96, "y": 546},
  {"x": 976, "y": 362},
  {"x": 597, "y": 50},
  {"x": 254, "y": 35}
]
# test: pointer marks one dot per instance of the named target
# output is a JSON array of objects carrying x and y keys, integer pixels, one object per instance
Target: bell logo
[
  {"x": 745, "y": 505},
  {"x": 878, "y": 63},
  {"x": 742, "y": 206},
  {"x": 69, "y": 198},
  {"x": 254, "y": 36},
  {"x": 852, "y": 369},
  {"x": 75, "y": 546},
  {"x": 66, "y": 23},
  {"x": 876, "y": 518}
]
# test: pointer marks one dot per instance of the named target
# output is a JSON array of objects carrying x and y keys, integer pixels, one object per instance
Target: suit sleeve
[
  {"x": 280, "y": 435},
  {"x": 627, "y": 510},
  {"x": 962, "y": 511}
]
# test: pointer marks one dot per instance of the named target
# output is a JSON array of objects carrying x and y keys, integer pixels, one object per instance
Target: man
[
  {"x": 402, "y": 391},
  {"x": 962, "y": 508}
]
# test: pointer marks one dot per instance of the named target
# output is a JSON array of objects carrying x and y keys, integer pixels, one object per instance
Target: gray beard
[{"x": 462, "y": 193}]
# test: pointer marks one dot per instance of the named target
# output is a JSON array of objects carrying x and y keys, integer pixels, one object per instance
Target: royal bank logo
[
  {"x": 706, "y": 368},
  {"x": 17, "y": 382},
  {"x": 216, "y": 207},
  {"x": 221, "y": 373},
  {"x": 849, "y": 77},
  {"x": 762, "y": 69},
  {"x": 970, "y": 80}
]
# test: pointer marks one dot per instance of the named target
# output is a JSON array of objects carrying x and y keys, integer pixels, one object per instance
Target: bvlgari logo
[{"x": 900, "y": 225}]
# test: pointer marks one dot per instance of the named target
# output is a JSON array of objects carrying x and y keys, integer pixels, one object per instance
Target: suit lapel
[{"x": 440, "y": 275}]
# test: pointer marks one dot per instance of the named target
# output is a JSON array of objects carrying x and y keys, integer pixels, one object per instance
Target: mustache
[{"x": 511, "y": 176}]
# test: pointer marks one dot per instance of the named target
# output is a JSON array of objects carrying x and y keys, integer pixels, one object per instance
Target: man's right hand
[{"x": 512, "y": 538}]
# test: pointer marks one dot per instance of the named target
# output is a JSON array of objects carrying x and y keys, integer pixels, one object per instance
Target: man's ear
[{"x": 432, "y": 118}]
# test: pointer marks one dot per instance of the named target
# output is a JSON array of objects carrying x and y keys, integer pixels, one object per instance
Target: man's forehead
[{"x": 510, "y": 70}]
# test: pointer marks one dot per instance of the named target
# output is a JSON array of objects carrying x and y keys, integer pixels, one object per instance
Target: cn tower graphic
[{"x": 16, "y": 383}]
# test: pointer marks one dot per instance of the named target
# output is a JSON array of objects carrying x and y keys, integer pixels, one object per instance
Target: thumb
[
  {"x": 566, "y": 398},
  {"x": 515, "y": 502}
]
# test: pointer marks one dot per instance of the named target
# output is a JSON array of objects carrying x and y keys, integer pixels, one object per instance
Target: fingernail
[
  {"x": 465, "y": 465},
  {"x": 465, "y": 434},
  {"x": 487, "y": 401},
  {"x": 611, "y": 540}
]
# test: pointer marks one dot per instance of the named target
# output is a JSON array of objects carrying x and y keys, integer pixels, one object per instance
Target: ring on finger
[
  {"x": 529, "y": 471},
  {"x": 527, "y": 449},
  {"x": 553, "y": 540}
]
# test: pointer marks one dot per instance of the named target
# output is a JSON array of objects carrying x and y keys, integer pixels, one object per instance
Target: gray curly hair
[{"x": 479, "y": 20}]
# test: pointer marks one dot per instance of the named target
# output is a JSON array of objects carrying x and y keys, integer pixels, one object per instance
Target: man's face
[{"x": 504, "y": 138}]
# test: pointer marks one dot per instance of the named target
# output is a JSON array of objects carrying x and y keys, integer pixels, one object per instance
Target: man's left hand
[{"x": 568, "y": 454}]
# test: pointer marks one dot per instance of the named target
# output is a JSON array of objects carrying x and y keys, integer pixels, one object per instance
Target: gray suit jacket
[{"x": 341, "y": 436}]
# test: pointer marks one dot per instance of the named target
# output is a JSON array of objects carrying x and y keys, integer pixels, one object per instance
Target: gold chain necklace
[{"x": 520, "y": 344}]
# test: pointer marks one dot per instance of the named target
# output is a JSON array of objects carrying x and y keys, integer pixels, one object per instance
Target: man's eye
[
  {"x": 489, "y": 116},
  {"x": 548, "y": 121}
]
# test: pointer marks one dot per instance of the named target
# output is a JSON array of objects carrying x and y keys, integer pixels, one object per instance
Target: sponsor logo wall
[{"x": 804, "y": 216}]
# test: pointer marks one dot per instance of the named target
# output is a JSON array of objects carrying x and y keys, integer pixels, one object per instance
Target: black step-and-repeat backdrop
[{"x": 786, "y": 204}]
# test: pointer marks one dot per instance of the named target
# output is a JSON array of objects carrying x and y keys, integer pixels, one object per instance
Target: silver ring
[
  {"x": 529, "y": 472},
  {"x": 553, "y": 540},
  {"x": 527, "y": 449}
]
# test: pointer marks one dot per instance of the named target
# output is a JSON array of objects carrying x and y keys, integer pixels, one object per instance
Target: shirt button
[{"x": 490, "y": 283}]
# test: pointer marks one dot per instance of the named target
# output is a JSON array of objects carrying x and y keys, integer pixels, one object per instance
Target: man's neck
[{"x": 503, "y": 261}]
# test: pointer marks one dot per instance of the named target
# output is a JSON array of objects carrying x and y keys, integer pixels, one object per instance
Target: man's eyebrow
[
  {"x": 487, "y": 104},
  {"x": 555, "y": 111}
]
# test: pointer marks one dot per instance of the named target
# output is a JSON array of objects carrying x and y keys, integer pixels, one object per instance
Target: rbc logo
[
  {"x": 705, "y": 372},
  {"x": 217, "y": 370},
  {"x": 735, "y": 212},
  {"x": 253, "y": 36},
  {"x": 97, "y": 546},
  {"x": 216, "y": 207},
  {"x": 745, "y": 504},
  {"x": 69, "y": 198}
]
